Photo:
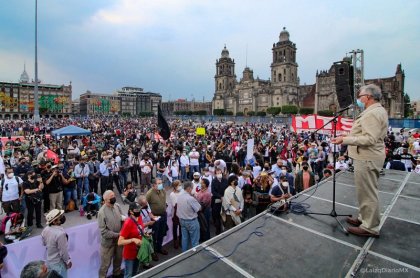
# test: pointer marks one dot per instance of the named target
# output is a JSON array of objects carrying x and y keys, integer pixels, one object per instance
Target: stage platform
[{"x": 291, "y": 245}]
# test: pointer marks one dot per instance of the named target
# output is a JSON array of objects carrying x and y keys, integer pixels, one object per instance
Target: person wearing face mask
[
  {"x": 9, "y": 191},
  {"x": 304, "y": 178},
  {"x": 176, "y": 228},
  {"x": 131, "y": 238},
  {"x": 367, "y": 149},
  {"x": 341, "y": 165},
  {"x": 110, "y": 217},
  {"x": 218, "y": 187},
  {"x": 56, "y": 241},
  {"x": 33, "y": 190},
  {"x": 194, "y": 163},
  {"x": 184, "y": 163},
  {"x": 208, "y": 176},
  {"x": 281, "y": 191},
  {"x": 204, "y": 198},
  {"x": 196, "y": 183},
  {"x": 290, "y": 178},
  {"x": 232, "y": 203},
  {"x": 156, "y": 197},
  {"x": 188, "y": 208}
]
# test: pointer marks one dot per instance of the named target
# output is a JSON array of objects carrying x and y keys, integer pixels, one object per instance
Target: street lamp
[{"x": 36, "y": 104}]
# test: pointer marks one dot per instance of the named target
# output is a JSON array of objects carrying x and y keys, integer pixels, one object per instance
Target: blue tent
[{"x": 70, "y": 130}]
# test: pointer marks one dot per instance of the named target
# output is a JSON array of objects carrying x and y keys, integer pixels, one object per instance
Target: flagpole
[{"x": 36, "y": 104}]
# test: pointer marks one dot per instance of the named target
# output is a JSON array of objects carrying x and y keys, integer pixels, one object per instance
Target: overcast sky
[{"x": 171, "y": 46}]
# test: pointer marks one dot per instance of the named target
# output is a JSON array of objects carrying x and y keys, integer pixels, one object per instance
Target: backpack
[
  {"x": 11, "y": 216},
  {"x": 2, "y": 181}
]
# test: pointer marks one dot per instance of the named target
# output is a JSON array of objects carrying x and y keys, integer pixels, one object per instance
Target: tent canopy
[{"x": 70, "y": 130}]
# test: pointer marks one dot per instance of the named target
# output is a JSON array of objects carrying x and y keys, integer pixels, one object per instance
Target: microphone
[{"x": 351, "y": 106}]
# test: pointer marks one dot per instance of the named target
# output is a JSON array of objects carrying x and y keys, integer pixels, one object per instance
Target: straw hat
[{"x": 53, "y": 215}]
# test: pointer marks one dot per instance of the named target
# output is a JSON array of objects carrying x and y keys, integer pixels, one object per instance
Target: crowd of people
[{"x": 212, "y": 180}]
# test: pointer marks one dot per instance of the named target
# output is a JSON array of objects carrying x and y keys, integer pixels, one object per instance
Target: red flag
[{"x": 52, "y": 155}]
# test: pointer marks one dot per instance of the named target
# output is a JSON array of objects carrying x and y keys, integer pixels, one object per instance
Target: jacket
[{"x": 366, "y": 138}]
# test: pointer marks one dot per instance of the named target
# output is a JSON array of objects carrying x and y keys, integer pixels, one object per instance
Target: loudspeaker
[{"x": 344, "y": 83}]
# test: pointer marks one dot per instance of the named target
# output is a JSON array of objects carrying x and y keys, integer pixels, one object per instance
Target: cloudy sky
[{"x": 171, "y": 46}]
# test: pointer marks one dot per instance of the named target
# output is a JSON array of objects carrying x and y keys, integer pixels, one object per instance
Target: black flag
[{"x": 164, "y": 129}]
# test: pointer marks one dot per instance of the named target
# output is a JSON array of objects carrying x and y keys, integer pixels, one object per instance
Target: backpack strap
[{"x": 138, "y": 226}]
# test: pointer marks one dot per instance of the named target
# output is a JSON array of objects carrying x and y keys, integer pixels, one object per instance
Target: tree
[
  {"x": 261, "y": 113},
  {"x": 408, "y": 111},
  {"x": 239, "y": 113},
  {"x": 229, "y": 113},
  {"x": 275, "y": 110},
  {"x": 218, "y": 112},
  {"x": 306, "y": 110},
  {"x": 250, "y": 113},
  {"x": 289, "y": 109},
  {"x": 325, "y": 113}
]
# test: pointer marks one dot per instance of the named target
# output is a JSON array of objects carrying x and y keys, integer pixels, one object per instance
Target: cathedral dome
[
  {"x": 225, "y": 53},
  {"x": 284, "y": 35}
]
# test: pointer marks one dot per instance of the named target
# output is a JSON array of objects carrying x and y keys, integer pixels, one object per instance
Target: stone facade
[
  {"x": 255, "y": 94},
  {"x": 170, "y": 107},
  {"x": 17, "y": 99},
  {"x": 283, "y": 88},
  {"x": 392, "y": 92}
]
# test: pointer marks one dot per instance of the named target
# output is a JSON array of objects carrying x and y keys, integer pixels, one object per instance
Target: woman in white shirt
[{"x": 176, "y": 227}]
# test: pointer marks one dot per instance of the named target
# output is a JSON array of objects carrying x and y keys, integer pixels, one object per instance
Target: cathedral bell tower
[
  {"x": 284, "y": 66},
  {"x": 225, "y": 79}
]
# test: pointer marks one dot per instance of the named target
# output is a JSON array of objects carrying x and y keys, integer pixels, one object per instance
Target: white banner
[
  {"x": 249, "y": 149},
  {"x": 84, "y": 244}
]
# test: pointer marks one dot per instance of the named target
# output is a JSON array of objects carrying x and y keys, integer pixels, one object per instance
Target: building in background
[
  {"x": 185, "y": 106},
  {"x": 415, "y": 106},
  {"x": 129, "y": 101},
  {"x": 255, "y": 95},
  {"x": 75, "y": 107},
  {"x": 17, "y": 99}
]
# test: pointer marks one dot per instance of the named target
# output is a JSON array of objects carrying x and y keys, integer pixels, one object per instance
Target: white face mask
[
  {"x": 219, "y": 176},
  {"x": 179, "y": 188},
  {"x": 206, "y": 174},
  {"x": 285, "y": 184},
  {"x": 10, "y": 175},
  {"x": 284, "y": 172}
]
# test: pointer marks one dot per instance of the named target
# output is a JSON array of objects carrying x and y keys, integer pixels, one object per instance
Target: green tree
[
  {"x": 325, "y": 113},
  {"x": 408, "y": 111},
  {"x": 289, "y": 109},
  {"x": 240, "y": 114},
  {"x": 218, "y": 112},
  {"x": 306, "y": 110},
  {"x": 229, "y": 113},
  {"x": 275, "y": 110},
  {"x": 250, "y": 113},
  {"x": 261, "y": 113}
]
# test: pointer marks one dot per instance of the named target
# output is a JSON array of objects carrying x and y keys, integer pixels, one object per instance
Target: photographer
[
  {"x": 33, "y": 190},
  {"x": 70, "y": 192},
  {"x": 55, "y": 184},
  {"x": 81, "y": 172}
]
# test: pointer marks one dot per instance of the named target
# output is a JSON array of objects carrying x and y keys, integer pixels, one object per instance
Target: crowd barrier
[{"x": 84, "y": 245}]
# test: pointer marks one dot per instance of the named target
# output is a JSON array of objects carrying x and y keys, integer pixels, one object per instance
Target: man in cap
[
  {"x": 56, "y": 240},
  {"x": 196, "y": 182}
]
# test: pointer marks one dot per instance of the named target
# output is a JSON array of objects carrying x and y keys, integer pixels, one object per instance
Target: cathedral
[{"x": 251, "y": 95}]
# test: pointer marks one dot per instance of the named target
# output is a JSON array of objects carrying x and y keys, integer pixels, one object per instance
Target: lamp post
[{"x": 36, "y": 104}]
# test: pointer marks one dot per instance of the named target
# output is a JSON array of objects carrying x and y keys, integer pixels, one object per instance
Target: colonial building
[
  {"x": 17, "y": 99},
  {"x": 415, "y": 106},
  {"x": 392, "y": 91},
  {"x": 95, "y": 104},
  {"x": 255, "y": 94},
  {"x": 129, "y": 101},
  {"x": 182, "y": 105},
  {"x": 283, "y": 88}
]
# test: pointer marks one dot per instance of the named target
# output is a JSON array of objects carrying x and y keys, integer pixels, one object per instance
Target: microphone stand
[{"x": 333, "y": 212}]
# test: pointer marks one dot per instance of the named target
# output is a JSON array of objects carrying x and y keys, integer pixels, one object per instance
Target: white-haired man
[
  {"x": 110, "y": 217},
  {"x": 367, "y": 149}
]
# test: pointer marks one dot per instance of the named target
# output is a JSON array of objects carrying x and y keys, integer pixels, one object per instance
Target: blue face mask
[
  {"x": 360, "y": 104},
  {"x": 160, "y": 186}
]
